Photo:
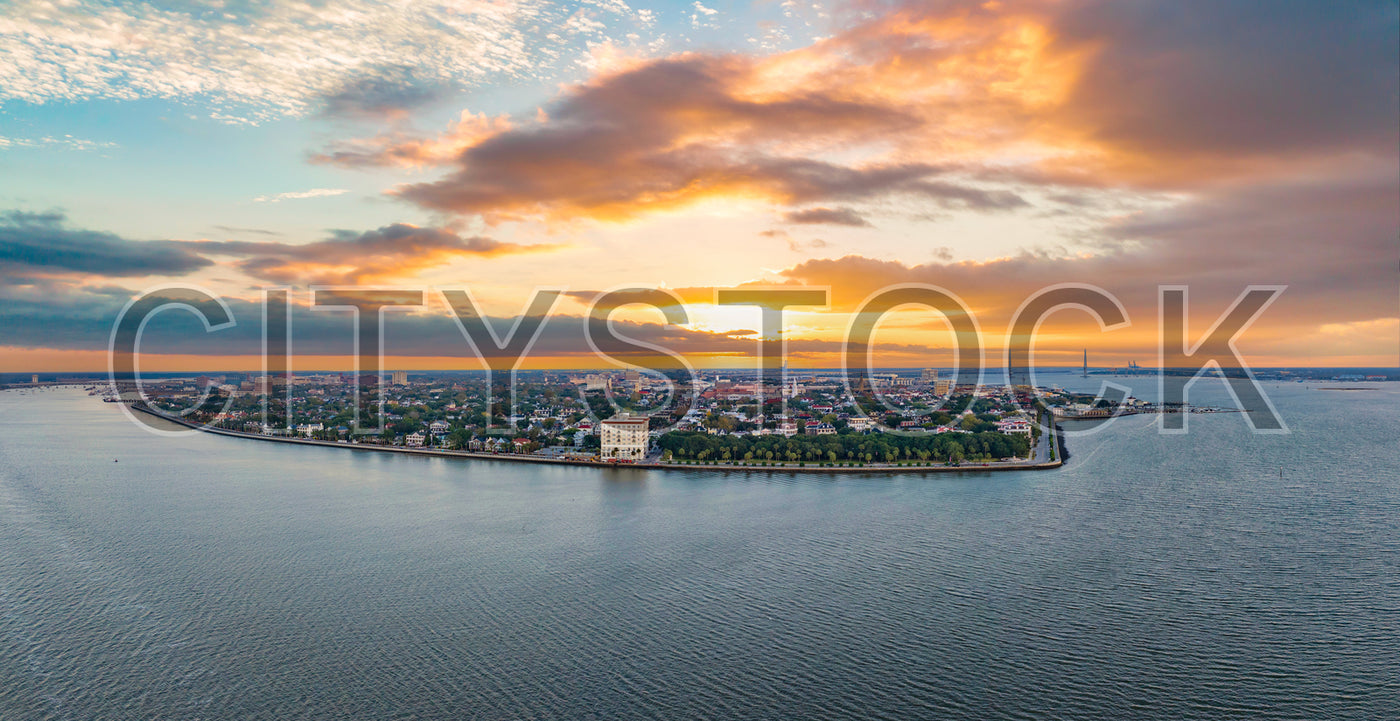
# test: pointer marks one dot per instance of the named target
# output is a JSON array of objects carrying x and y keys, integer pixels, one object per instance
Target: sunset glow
[{"x": 988, "y": 148}]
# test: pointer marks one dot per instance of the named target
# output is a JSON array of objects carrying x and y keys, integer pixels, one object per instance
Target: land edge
[{"x": 517, "y": 458}]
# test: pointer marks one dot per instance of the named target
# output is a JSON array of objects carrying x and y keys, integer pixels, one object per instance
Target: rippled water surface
[{"x": 1217, "y": 574}]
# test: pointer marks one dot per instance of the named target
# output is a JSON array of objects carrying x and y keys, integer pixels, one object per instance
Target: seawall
[{"x": 520, "y": 458}]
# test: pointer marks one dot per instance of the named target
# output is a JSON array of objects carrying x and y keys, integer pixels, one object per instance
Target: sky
[{"x": 991, "y": 149}]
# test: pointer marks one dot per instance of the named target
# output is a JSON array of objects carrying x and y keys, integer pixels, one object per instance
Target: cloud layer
[
  {"x": 43, "y": 245},
  {"x": 939, "y": 105},
  {"x": 1215, "y": 144},
  {"x": 666, "y": 134},
  {"x": 260, "y": 61},
  {"x": 347, "y": 257}
]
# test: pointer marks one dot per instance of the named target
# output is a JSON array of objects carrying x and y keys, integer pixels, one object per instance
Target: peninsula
[{"x": 811, "y": 423}]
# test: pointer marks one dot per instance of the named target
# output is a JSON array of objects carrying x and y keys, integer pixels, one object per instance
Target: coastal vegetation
[{"x": 858, "y": 448}]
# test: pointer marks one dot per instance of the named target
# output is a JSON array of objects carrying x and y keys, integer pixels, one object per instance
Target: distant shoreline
[{"x": 993, "y": 466}]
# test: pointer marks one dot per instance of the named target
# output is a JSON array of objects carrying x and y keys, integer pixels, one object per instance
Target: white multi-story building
[
  {"x": 1014, "y": 425},
  {"x": 625, "y": 438}
]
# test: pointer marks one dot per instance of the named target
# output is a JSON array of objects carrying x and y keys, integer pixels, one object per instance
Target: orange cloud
[
  {"x": 392, "y": 252},
  {"x": 669, "y": 133},
  {"x": 1338, "y": 306},
  {"x": 399, "y": 148},
  {"x": 949, "y": 104}
]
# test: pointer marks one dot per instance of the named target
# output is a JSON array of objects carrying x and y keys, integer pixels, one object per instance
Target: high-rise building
[
  {"x": 34, "y": 379},
  {"x": 400, "y": 378},
  {"x": 624, "y": 437},
  {"x": 943, "y": 387},
  {"x": 928, "y": 375}
]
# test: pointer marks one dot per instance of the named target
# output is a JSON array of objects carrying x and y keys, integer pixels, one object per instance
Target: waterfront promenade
[{"x": 1042, "y": 458}]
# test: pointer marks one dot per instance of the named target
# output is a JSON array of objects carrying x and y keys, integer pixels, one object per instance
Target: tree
[{"x": 955, "y": 453}]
